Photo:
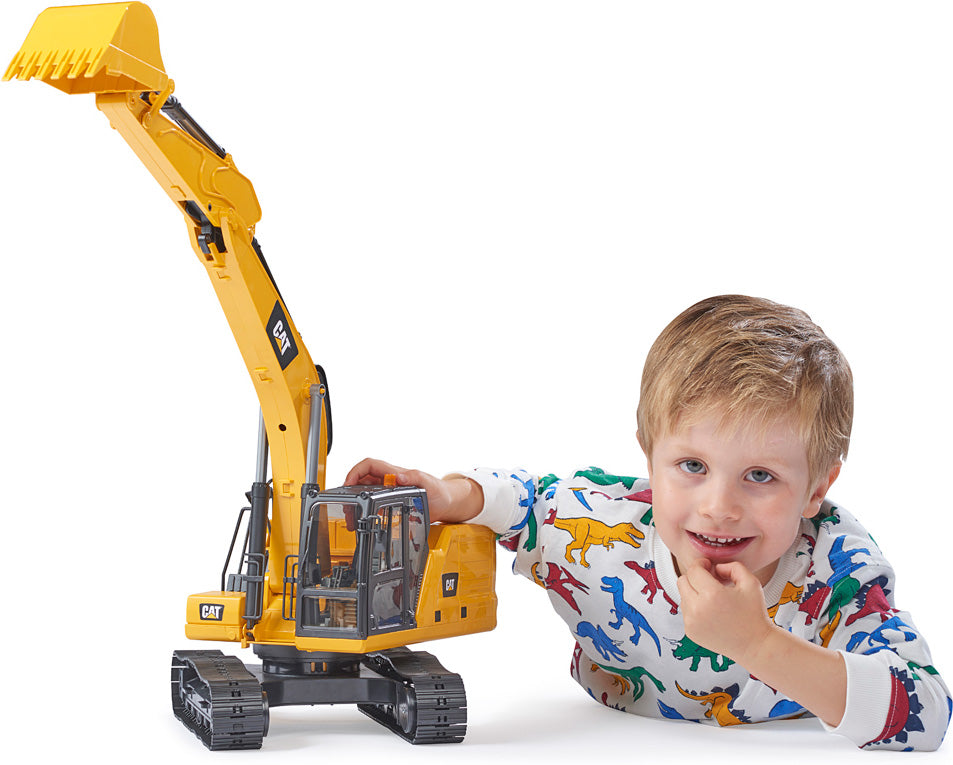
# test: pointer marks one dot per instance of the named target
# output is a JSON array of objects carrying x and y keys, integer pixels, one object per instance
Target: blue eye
[
  {"x": 760, "y": 476},
  {"x": 695, "y": 467}
]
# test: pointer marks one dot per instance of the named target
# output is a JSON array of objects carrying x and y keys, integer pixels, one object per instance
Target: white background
[{"x": 480, "y": 215}]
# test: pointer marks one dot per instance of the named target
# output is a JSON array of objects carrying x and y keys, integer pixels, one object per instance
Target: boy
[{"x": 725, "y": 588}]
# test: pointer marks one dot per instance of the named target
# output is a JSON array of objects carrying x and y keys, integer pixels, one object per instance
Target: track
[
  {"x": 223, "y": 703},
  {"x": 431, "y": 705},
  {"x": 218, "y": 699}
]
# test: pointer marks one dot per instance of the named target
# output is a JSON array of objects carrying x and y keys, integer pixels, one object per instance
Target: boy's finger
[
  {"x": 734, "y": 572},
  {"x": 699, "y": 575}
]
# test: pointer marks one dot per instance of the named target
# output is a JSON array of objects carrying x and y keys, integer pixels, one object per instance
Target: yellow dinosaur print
[
  {"x": 719, "y": 701},
  {"x": 588, "y": 531},
  {"x": 790, "y": 594},
  {"x": 827, "y": 631}
]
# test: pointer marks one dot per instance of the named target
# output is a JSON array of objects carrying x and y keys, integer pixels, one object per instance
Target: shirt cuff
[
  {"x": 499, "y": 499},
  {"x": 868, "y": 699}
]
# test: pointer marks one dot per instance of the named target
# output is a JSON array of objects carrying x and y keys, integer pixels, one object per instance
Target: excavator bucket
[{"x": 111, "y": 48}]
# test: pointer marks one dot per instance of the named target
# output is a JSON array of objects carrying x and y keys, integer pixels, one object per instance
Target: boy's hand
[
  {"x": 449, "y": 499},
  {"x": 723, "y": 608},
  {"x": 724, "y": 611}
]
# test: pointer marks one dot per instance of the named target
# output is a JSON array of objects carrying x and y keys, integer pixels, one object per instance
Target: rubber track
[
  {"x": 233, "y": 712},
  {"x": 441, "y": 701}
]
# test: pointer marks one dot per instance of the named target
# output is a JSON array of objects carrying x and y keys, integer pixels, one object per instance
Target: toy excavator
[{"x": 331, "y": 586}]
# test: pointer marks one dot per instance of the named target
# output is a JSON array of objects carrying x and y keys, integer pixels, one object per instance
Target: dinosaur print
[
  {"x": 904, "y": 708},
  {"x": 686, "y": 648},
  {"x": 828, "y": 630},
  {"x": 580, "y": 495},
  {"x": 811, "y": 543},
  {"x": 588, "y": 531},
  {"x": 790, "y": 594},
  {"x": 599, "y": 477},
  {"x": 670, "y": 713},
  {"x": 605, "y": 645},
  {"x": 719, "y": 702},
  {"x": 842, "y": 561},
  {"x": 813, "y": 601},
  {"x": 644, "y": 496},
  {"x": 631, "y": 678},
  {"x": 877, "y": 636},
  {"x": 625, "y": 611},
  {"x": 652, "y": 583},
  {"x": 786, "y": 708},
  {"x": 872, "y": 599},
  {"x": 559, "y": 580}
]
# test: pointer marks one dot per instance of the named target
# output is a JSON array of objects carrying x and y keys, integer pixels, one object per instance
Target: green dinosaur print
[
  {"x": 686, "y": 648},
  {"x": 531, "y": 532},
  {"x": 913, "y": 667},
  {"x": 842, "y": 593},
  {"x": 818, "y": 520},
  {"x": 633, "y": 677},
  {"x": 545, "y": 482},
  {"x": 601, "y": 478}
]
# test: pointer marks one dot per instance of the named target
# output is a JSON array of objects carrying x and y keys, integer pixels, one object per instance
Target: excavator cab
[{"x": 358, "y": 540}]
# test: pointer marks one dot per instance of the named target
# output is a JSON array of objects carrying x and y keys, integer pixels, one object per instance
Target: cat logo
[
  {"x": 211, "y": 612},
  {"x": 282, "y": 341},
  {"x": 450, "y": 585}
]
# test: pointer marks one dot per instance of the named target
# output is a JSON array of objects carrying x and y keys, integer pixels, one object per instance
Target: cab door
[{"x": 390, "y": 606}]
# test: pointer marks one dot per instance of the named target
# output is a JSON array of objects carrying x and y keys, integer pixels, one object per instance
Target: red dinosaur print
[
  {"x": 872, "y": 599},
  {"x": 902, "y": 711},
  {"x": 652, "y": 583},
  {"x": 640, "y": 496},
  {"x": 811, "y": 542},
  {"x": 574, "y": 670},
  {"x": 814, "y": 600},
  {"x": 559, "y": 580}
]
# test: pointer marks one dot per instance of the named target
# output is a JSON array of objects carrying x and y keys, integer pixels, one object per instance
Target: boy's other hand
[
  {"x": 723, "y": 608},
  {"x": 449, "y": 499}
]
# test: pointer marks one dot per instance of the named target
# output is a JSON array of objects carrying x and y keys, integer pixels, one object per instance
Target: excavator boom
[{"x": 112, "y": 51}]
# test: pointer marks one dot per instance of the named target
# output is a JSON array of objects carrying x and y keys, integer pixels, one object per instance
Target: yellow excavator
[{"x": 329, "y": 586}]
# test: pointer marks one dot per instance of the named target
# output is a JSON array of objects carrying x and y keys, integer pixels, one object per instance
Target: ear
[{"x": 820, "y": 491}]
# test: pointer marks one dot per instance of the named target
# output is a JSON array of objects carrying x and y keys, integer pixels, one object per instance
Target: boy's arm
[
  {"x": 724, "y": 611},
  {"x": 454, "y": 499},
  {"x": 882, "y": 690}
]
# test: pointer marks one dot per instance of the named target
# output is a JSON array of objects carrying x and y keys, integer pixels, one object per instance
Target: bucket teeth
[{"x": 93, "y": 49}]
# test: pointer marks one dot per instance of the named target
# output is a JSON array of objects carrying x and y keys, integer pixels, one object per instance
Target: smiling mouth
[{"x": 719, "y": 541}]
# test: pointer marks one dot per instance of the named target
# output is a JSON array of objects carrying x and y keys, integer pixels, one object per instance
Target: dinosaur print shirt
[{"x": 591, "y": 543}]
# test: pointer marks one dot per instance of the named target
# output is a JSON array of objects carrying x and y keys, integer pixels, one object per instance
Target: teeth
[{"x": 719, "y": 540}]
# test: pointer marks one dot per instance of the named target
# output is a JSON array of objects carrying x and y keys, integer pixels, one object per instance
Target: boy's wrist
[
  {"x": 465, "y": 499},
  {"x": 813, "y": 676}
]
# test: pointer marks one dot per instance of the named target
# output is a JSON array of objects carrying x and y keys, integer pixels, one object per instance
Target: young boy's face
[{"x": 732, "y": 495}]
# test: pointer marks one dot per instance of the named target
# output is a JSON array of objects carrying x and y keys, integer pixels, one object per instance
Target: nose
[{"x": 719, "y": 502}]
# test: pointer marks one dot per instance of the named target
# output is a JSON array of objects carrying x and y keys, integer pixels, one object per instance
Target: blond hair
[{"x": 752, "y": 361}]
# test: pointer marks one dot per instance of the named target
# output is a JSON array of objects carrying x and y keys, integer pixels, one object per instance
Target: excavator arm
[{"x": 113, "y": 52}]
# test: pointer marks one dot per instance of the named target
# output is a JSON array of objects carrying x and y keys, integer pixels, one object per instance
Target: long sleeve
[{"x": 896, "y": 699}]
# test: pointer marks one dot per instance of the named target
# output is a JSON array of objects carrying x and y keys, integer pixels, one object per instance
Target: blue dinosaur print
[
  {"x": 876, "y": 636},
  {"x": 602, "y": 642},
  {"x": 625, "y": 611},
  {"x": 671, "y": 713},
  {"x": 785, "y": 708},
  {"x": 526, "y": 501},
  {"x": 842, "y": 561},
  {"x": 582, "y": 498}
]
